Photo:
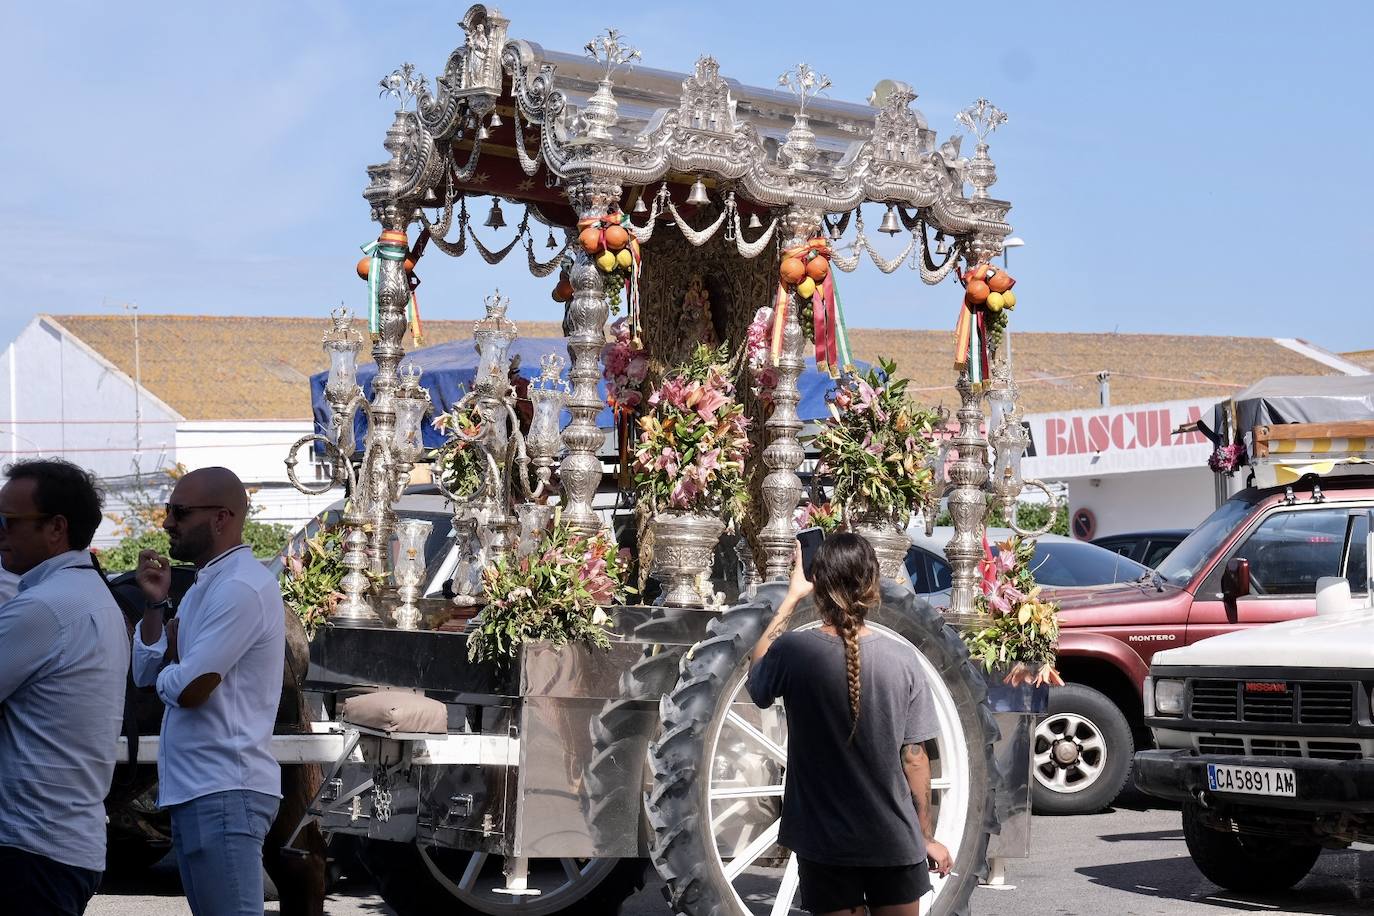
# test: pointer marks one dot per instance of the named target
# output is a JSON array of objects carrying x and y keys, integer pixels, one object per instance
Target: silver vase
[
  {"x": 887, "y": 535},
  {"x": 684, "y": 550}
]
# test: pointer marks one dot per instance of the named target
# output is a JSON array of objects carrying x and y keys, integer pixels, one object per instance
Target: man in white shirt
[
  {"x": 63, "y": 654},
  {"x": 217, "y": 667}
]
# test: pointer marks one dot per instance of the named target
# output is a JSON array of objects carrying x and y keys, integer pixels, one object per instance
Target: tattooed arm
[
  {"x": 797, "y": 589},
  {"x": 916, "y": 765}
]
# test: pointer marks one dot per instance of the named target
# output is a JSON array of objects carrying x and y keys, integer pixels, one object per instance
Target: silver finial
[
  {"x": 405, "y": 84},
  {"x": 609, "y": 49},
  {"x": 804, "y": 83},
  {"x": 981, "y": 118}
]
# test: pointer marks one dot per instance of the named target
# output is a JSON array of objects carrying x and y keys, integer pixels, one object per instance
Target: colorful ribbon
[
  {"x": 390, "y": 246},
  {"x": 829, "y": 334},
  {"x": 971, "y": 341}
]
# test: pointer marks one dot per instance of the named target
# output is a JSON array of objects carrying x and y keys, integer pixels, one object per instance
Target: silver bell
[
  {"x": 890, "y": 224},
  {"x": 551, "y": 243},
  {"x": 495, "y": 219},
  {"x": 698, "y": 195},
  {"x": 754, "y": 221},
  {"x": 640, "y": 206},
  {"x": 495, "y": 121},
  {"x": 941, "y": 243}
]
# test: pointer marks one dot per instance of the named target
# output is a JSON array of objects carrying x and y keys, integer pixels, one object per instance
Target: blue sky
[{"x": 1199, "y": 167}]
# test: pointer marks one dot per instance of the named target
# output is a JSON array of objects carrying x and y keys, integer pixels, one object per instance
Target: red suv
[{"x": 1255, "y": 560}]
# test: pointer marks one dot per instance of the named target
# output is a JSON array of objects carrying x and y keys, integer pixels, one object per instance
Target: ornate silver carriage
[{"x": 543, "y": 786}]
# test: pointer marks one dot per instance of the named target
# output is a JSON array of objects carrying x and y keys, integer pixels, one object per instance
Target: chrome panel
[{"x": 1013, "y": 800}]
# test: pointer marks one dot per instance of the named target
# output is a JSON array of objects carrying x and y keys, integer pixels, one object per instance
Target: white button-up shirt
[
  {"x": 233, "y": 625},
  {"x": 63, "y": 653}
]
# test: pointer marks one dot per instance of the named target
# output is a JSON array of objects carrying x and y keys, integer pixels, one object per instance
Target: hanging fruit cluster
[
  {"x": 987, "y": 301},
  {"x": 615, "y": 252},
  {"x": 803, "y": 270}
]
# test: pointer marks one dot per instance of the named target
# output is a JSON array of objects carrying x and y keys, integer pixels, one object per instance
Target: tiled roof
[
  {"x": 1361, "y": 358},
  {"x": 233, "y": 368},
  {"x": 1058, "y": 371},
  {"x": 208, "y": 367}
]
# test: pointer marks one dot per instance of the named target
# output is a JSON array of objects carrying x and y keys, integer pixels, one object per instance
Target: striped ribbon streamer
[{"x": 390, "y": 246}]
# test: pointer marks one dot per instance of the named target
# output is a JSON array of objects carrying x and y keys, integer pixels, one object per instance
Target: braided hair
[{"x": 845, "y": 575}]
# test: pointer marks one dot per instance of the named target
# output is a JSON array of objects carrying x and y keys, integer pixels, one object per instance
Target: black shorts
[{"x": 827, "y": 888}]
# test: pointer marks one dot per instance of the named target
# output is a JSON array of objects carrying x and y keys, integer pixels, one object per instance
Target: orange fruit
[
  {"x": 590, "y": 239},
  {"x": 977, "y": 292},
  {"x": 616, "y": 238},
  {"x": 792, "y": 271},
  {"x": 1000, "y": 282},
  {"x": 817, "y": 268},
  {"x": 365, "y": 266}
]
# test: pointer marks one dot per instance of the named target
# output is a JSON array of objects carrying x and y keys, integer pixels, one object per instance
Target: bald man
[{"x": 218, "y": 670}]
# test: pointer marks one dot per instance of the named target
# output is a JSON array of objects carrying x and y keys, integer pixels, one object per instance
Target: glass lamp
[
  {"x": 412, "y": 404},
  {"x": 408, "y": 569},
  {"x": 341, "y": 344},
  {"x": 548, "y": 392},
  {"x": 493, "y": 335}
]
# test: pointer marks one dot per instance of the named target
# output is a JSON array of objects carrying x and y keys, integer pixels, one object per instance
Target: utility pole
[{"x": 132, "y": 309}]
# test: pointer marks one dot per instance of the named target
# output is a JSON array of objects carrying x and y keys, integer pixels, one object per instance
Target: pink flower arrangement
[
  {"x": 825, "y": 516},
  {"x": 693, "y": 442},
  {"x": 1018, "y": 629},
  {"x": 1226, "y": 459},
  {"x": 624, "y": 367}
]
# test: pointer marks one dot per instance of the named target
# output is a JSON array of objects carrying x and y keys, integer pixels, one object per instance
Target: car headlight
[{"x": 1168, "y": 697}]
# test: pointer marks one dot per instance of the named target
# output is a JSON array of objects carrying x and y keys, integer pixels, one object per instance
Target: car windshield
[
  {"x": 1180, "y": 566},
  {"x": 1063, "y": 564}
]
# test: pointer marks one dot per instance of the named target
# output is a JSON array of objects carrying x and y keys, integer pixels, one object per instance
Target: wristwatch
[{"x": 165, "y": 605}]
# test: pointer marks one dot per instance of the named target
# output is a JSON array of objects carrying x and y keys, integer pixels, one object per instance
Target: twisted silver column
[
  {"x": 580, "y": 470},
  {"x": 967, "y": 501},
  {"x": 782, "y": 487}
]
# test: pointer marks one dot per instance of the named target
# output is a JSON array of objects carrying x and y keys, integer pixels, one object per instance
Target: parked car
[
  {"x": 1059, "y": 562},
  {"x": 1265, "y": 737},
  {"x": 1146, "y": 547},
  {"x": 1285, "y": 537}
]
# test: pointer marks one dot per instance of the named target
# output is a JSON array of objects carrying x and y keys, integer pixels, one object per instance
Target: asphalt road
[{"x": 1126, "y": 862}]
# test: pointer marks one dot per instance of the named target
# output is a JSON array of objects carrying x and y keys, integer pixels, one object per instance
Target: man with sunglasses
[
  {"x": 217, "y": 667},
  {"x": 64, "y": 652}
]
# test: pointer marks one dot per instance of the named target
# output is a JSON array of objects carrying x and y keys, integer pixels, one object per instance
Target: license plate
[{"x": 1252, "y": 780}]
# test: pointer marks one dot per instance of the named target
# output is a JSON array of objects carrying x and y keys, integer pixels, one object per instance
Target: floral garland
[
  {"x": 875, "y": 444},
  {"x": 1018, "y": 630},
  {"x": 461, "y": 469},
  {"x": 556, "y": 593},
  {"x": 625, "y": 365},
  {"x": 762, "y": 372},
  {"x": 693, "y": 442}
]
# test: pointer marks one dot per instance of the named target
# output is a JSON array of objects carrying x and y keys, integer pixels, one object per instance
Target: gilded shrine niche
[{"x": 695, "y": 295}]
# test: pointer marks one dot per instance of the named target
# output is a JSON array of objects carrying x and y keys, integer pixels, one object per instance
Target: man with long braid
[{"x": 856, "y": 809}]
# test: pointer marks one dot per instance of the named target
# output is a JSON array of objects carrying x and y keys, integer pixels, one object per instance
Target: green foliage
[
  {"x": 1030, "y": 516},
  {"x": 310, "y": 579},
  {"x": 555, "y": 593},
  {"x": 267, "y": 539},
  {"x": 875, "y": 444},
  {"x": 124, "y": 556},
  {"x": 459, "y": 461}
]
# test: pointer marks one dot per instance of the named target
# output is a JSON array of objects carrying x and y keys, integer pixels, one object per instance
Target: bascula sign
[{"x": 1112, "y": 440}]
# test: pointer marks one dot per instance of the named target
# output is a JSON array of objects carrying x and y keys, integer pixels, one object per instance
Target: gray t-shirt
[{"x": 847, "y": 803}]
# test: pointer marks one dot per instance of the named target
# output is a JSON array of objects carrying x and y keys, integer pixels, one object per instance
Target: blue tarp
[{"x": 448, "y": 369}]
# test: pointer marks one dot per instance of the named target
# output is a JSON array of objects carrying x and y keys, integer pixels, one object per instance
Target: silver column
[
  {"x": 782, "y": 487},
  {"x": 967, "y": 501},
  {"x": 580, "y": 470}
]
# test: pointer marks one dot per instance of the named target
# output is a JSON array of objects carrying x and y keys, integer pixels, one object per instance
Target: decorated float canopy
[{"x": 561, "y": 117}]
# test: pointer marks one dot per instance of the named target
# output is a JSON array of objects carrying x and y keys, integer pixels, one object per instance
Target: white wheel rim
[
  {"x": 1088, "y": 765},
  {"x": 744, "y": 792},
  {"x": 560, "y": 882}
]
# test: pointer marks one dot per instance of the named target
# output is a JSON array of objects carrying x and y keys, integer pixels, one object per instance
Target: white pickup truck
[{"x": 1266, "y": 737}]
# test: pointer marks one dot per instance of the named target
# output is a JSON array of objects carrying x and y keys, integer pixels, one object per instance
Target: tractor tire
[
  {"x": 688, "y": 832},
  {"x": 417, "y": 881},
  {"x": 1244, "y": 863}
]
